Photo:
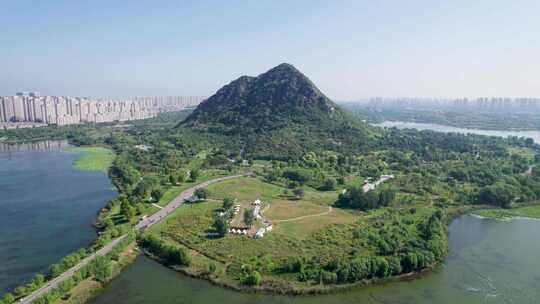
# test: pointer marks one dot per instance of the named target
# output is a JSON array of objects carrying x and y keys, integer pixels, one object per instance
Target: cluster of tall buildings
[{"x": 27, "y": 109}]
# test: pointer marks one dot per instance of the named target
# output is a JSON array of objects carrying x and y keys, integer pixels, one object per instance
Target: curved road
[
  {"x": 176, "y": 202},
  {"x": 143, "y": 224}
]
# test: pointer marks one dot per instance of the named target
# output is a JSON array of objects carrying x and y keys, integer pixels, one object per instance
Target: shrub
[
  {"x": 254, "y": 278},
  {"x": 202, "y": 193},
  {"x": 328, "y": 277}
]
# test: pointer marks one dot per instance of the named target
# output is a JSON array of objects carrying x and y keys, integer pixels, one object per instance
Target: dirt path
[{"x": 305, "y": 216}]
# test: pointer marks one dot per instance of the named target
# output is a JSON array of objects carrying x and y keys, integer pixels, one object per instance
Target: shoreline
[
  {"x": 508, "y": 218},
  {"x": 472, "y": 128},
  {"x": 272, "y": 287},
  {"x": 288, "y": 289},
  {"x": 89, "y": 288},
  {"x": 291, "y": 290}
]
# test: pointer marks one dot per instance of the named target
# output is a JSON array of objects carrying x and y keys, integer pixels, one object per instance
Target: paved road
[
  {"x": 149, "y": 221},
  {"x": 56, "y": 281},
  {"x": 176, "y": 202}
]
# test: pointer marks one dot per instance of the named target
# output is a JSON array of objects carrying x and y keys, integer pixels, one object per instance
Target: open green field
[
  {"x": 250, "y": 189},
  {"x": 190, "y": 223},
  {"x": 92, "y": 158}
]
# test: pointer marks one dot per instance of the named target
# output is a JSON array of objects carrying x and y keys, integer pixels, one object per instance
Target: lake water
[
  {"x": 46, "y": 208},
  {"x": 490, "y": 261},
  {"x": 442, "y": 128}
]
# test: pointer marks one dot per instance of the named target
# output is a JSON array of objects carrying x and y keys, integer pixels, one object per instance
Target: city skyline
[
  {"x": 30, "y": 109},
  {"x": 355, "y": 50}
]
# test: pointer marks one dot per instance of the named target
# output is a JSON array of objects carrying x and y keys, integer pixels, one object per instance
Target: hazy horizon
[{"x": 358, "y": 50}]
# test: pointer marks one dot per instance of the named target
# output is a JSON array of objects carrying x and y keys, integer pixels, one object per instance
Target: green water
[
  {"x": 46, "y": 208},
  {"x": 489, "y": 262}
]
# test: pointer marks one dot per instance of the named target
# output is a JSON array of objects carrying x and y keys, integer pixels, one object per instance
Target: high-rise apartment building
[{"x": 32, "y": 107}]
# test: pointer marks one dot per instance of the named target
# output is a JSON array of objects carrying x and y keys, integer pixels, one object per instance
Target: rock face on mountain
[{"x": 281, "y": 108}]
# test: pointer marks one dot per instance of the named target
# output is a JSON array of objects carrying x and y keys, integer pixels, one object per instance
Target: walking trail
[{"x": 305, "y": 216}]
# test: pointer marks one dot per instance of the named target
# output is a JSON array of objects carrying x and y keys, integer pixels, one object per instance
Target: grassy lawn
[
  {"x": 92, "y": 158},
  {"x": 250, "y": 189},
  {"x": 303, "y": 228},
  {"x": 170, "y": 194},
  {"x": 245, "y": 189},
  {"x": 282, "y": 209}
]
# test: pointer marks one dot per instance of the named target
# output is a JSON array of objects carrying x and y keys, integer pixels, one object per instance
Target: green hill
[{"x": 280, "y": 112}]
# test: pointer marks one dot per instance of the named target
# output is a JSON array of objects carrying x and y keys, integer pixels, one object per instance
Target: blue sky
[{"x": 350, "y": 49}]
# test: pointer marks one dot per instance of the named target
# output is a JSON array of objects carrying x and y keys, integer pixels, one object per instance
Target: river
[
  {"x": 46, "y": 208},
  {"x": 490, "y": 261},
  {"x": 442, "y": 128}
]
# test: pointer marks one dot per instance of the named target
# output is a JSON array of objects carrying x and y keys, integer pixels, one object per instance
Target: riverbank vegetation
[
  {"x": 531, "y": 211},
  {"x": 100, "y": 270}
]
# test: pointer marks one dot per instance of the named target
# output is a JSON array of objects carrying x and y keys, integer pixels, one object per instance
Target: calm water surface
[
  {"x": 46, "y": 208},
  {"x": 489, "y": 262},
  {"x": 442, "y": 128}
]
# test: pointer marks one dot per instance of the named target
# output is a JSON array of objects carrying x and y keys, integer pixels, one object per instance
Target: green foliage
[
  {"x": 172, "y": 179},
  {"x": 146, "y": 187},
  {"x": 356, "y": 198},
  {"x": 101, "y": 268},
  {"x": 221, "y": 226},
  {"x": 169, "y": 254},
  {"x": 498, "y": 194},
  {"x": 157, "y": 194},
  {"x": 212, "y": 267},
  {"x": 253, "y": 278},
  {"x": 124, "y": 172},
  {"x": 194, "y": 175},
  {"x": 299, "y": 192},
  {"x": 181, "y": 177},
  {"x": 329, "y": 184},
  {"x": 8, "y": 298},
  {"x": 300, "y": 176},
  {"x": 127, "y": 210},
  {"x": 202, "y": 193},
  {"x": 228, "y": 203},
  {"x": 328, "y": 277},
  {"x": 249, "y": 218}
]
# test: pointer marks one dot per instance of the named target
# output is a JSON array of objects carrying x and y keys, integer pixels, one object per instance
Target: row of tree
[
  {"x": 170, "y": 254},
  {"x": 356, "y": 198}
]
